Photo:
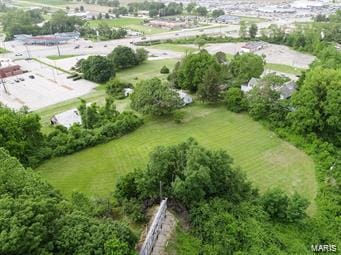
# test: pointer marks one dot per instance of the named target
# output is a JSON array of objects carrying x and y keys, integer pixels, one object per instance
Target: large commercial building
[{"x": 57, "y": 38}]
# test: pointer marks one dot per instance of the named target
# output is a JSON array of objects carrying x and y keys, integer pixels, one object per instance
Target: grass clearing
[
  {"x": 174, "y": 47},
  {"x": 48, "y": 2},
  {"x": 3, "y": 50},
  {"x": 148, "y": 70},
  {"x": 129, "y": 23},
  {"x": 56, "y": 57},
  {"x": 284, "y": 68},
  {"x": 144, "y": 71},
  {"x": 267, "y": 160}
]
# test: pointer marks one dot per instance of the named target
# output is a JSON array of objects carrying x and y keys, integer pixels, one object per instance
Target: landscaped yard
[
  {"x": 129, "y": 23},
  {"x": 267, "y": 160}
]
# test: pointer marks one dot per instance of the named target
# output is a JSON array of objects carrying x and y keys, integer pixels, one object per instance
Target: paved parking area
[
  {"x": 48, "y": 87},
  {"x": 277, "y": 54}
]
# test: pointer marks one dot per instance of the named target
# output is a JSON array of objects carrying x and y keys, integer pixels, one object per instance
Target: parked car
[
  {"x": 105, "y": 45},
  {"x": 18, "y": 54},
  {"x": 31, "y": 76},
  {"x": 22, "y": 79},
  {"x": 77, "y": 46},
  {"x": 90, "y": 46}
]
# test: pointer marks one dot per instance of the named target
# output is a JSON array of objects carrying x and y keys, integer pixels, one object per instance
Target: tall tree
[
  {"x": 192, "y": 69},
  {"x": 209, "y": 88},
  {"x": 97, "y": 68},
  {"x": 154, "y": 97},
  {"x": 253, "y": 29}
]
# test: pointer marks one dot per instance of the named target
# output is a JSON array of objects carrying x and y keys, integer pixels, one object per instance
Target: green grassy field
[
  {"x": 174, "y": 47},
  {"x": 47, "y": 2},
  {"x": 147, "y": 70},
  {"x": 56, "y": 57},
  {"x": 129, "y": 23},
  {"x": 3, "y": 50},
  {"x": 284, "y": 68},
  {"x": 267, "y": 160}
]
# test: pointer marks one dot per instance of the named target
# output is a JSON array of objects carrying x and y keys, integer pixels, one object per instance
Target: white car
[{"x": 18, "y": 54}]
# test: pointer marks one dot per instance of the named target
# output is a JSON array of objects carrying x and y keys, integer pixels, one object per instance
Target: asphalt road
[{"x": 18, "y": 50}]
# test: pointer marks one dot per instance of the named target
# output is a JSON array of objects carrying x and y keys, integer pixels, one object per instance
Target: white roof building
[{"x": 67, "y": 118}]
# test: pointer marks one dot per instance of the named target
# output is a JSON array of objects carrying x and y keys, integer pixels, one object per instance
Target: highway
[{"x": 18, "y": 50}]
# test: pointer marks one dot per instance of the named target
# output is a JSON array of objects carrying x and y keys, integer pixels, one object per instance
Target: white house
[{"x": 67, "y": 118}]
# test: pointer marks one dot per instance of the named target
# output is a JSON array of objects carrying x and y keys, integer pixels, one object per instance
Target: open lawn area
[
  {"x": 47, "y": 2},
  {"x": 174, "y": 47},
  {"x": 267, "y": 160},
  {"x": 56, "y": 57},
  {"x": 3, "y": 50},
  {"x": 129, "y": 23},
  {"x": 148, "y": 70},
  {"x": 284, "y": 68}
]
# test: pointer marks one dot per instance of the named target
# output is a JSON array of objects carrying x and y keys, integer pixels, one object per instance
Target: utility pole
[
  {"x": 58, "y": 49},
  {"x": 3, "y": 84}
]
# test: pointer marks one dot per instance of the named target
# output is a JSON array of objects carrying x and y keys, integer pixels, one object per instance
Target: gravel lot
[{"x": 277, "y": 54}]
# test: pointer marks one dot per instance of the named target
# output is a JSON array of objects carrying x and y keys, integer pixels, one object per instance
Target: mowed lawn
[
  {"x": 129, "y": 23},
  {"x": 267, "y": 160}
]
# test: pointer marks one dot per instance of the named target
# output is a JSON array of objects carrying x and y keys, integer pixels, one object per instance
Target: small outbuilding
[{"x": 67, "y": 118}]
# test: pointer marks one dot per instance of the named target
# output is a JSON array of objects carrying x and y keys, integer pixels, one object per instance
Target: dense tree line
[
  {"x": 99, "y": 125},
  {"x": 156, "y": 8},
  {"x": 226, "y": 214},
  {"x": 208, "y": 75},
  {"x": 101, "y": 68},
  {"x": 21, "y": 132},
  {"x": 18, "y": 21},
  {"x": 103, "y": 32},
  {"x": 36, "y": 219}
]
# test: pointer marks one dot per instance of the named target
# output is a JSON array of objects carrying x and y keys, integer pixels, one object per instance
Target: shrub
[
  {"x": 179, "y": 117},
  {"x": 164, "y": 70}
]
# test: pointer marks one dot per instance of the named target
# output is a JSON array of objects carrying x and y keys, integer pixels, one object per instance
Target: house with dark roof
[{"x": 287, "y": 89}]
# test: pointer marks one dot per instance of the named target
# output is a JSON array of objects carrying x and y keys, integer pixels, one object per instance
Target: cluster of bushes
[
  {"x": 99, "y": 125},
  {"x": 225, "y": 211},
  {"x": 103, "y": 32},
  {"x": 208, "y": 76},
  {"x": 36, "y": 219},
  {"x": 156, "y": 8},
  {"x": 115, "y": 88},
  {"x": 100, "y": 69},
  {"x": 18, "y": 21},
  {"x": 21, "y": 132},
  {"x": 193, "y": 40}
]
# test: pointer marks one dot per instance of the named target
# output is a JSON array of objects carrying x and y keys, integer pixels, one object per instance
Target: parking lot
[
  {"x": 276, "y": 54},
  {"x": 47, "y": 86}
]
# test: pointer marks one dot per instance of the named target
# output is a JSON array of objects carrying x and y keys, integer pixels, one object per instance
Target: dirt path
[{"x": 167, "y": 229}]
